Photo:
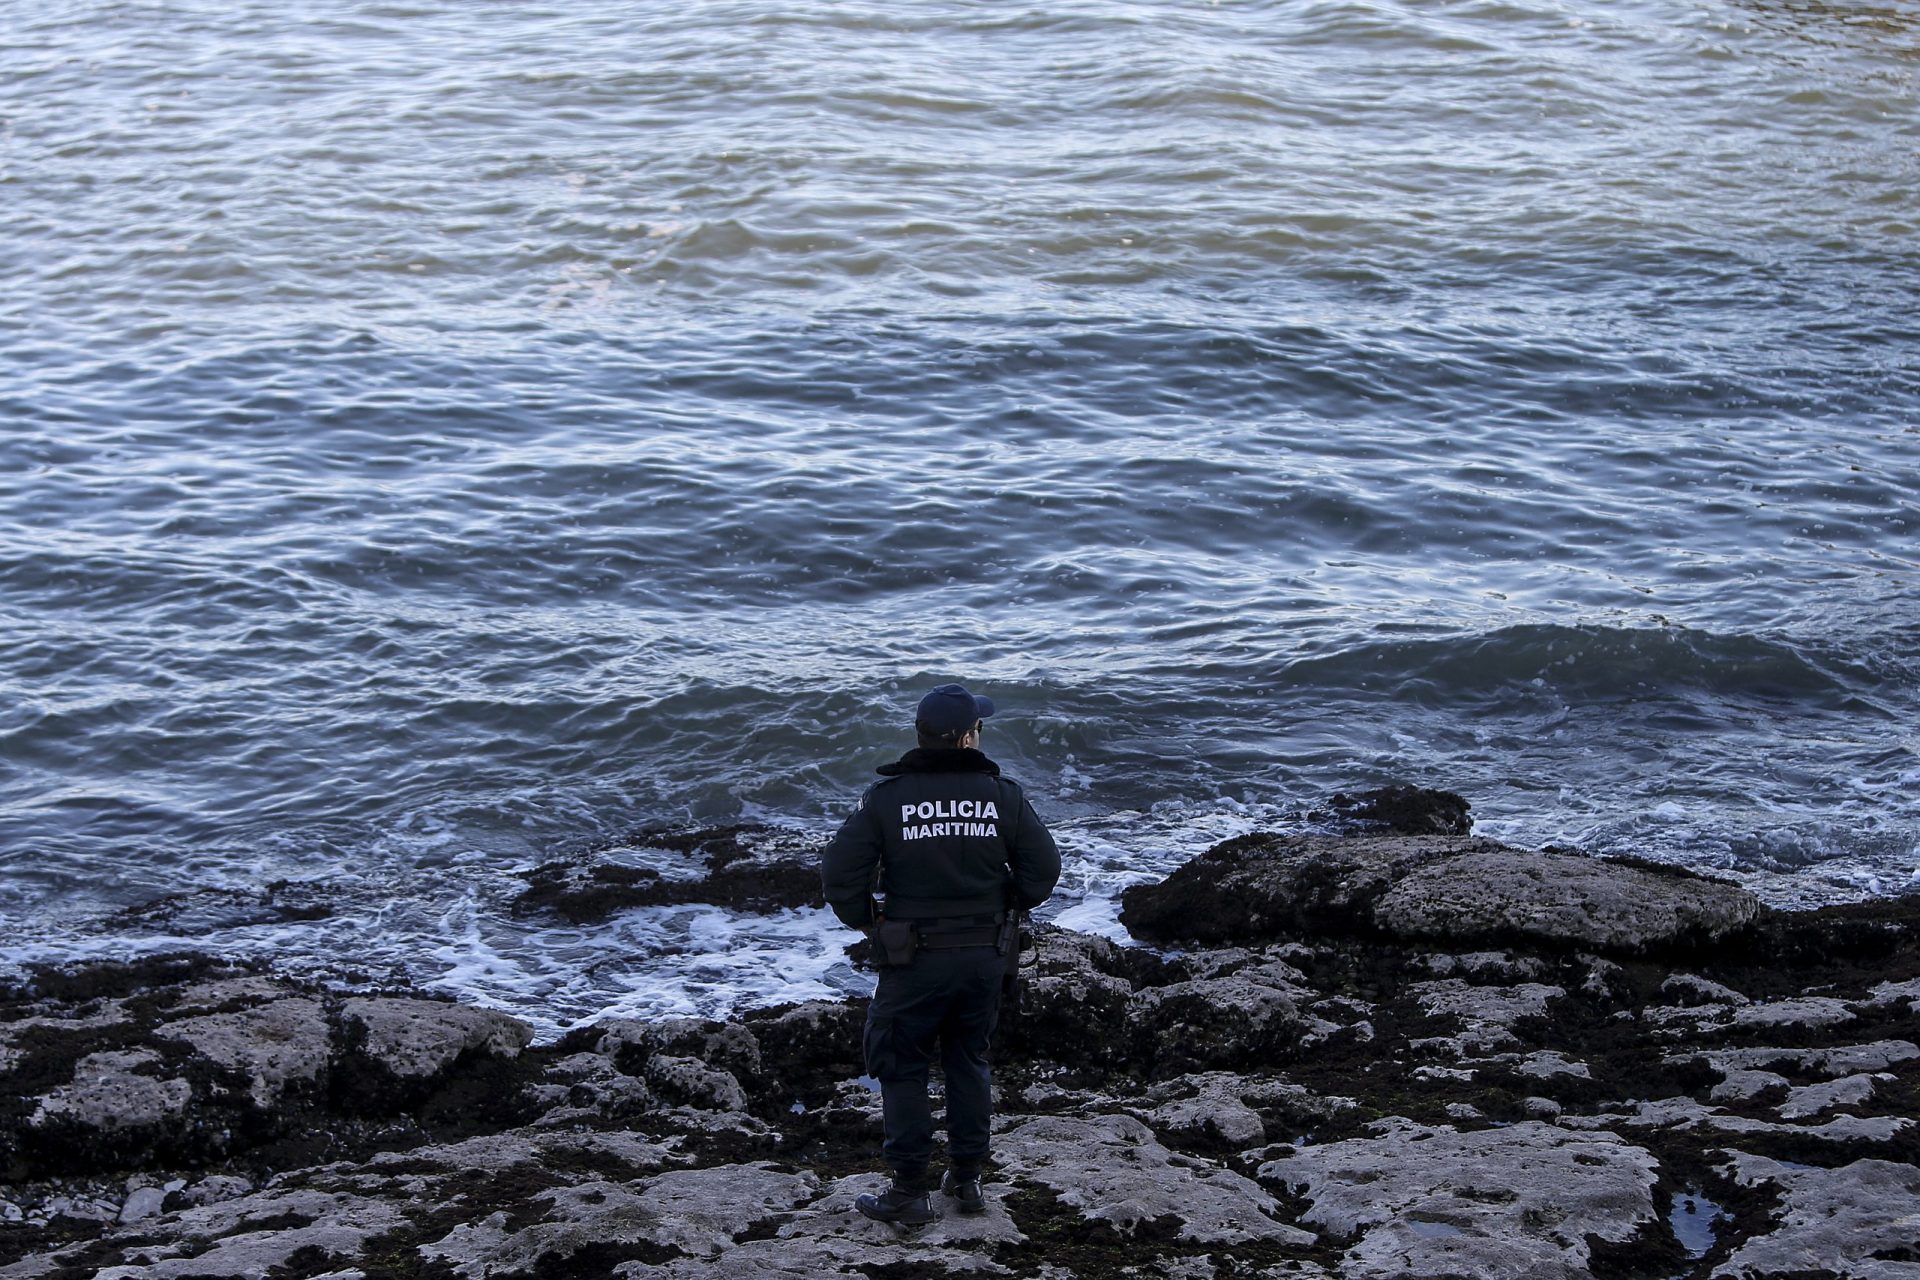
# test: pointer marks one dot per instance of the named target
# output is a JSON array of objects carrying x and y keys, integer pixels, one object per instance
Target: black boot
[
  {"x": 965, "y": 1188},
  {"x": 897, "y": 1204}
]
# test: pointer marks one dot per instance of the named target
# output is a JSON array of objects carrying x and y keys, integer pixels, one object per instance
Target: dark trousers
[{"x": 948, "y": 996}]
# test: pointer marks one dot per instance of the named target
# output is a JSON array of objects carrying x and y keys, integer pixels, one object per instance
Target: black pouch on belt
[{"x": 899, "y": 940}]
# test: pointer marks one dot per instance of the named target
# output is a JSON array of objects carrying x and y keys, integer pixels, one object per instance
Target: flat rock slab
[
  {"x": 1448, "y": 889},
  {"x": 1686, "y": 1115},
  {"x": 252, "y": 1236},
  {"x": 833, "y": 1216},
  {"x": 1560, "y": 899},
  {"x": 1855, "y": 1221},
  {"x": 1111, "y": 1169},
  {"x": 697, "y": 1212},
  {"x": 1837, "y": 1060},
  {"x": 812, "y": 1259},
  {"x": 1517, "y": 1203}
]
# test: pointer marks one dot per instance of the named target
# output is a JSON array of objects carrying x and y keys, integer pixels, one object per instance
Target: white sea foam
[{"x": 446, "y": 922}]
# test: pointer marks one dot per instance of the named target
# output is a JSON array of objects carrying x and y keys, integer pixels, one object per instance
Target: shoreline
[
  {"x": 662, "y": 920},
  {"x": 1332, "y": 1062}
]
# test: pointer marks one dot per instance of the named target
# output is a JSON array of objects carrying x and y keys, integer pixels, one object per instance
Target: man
[{"x": 957, "y": 851}]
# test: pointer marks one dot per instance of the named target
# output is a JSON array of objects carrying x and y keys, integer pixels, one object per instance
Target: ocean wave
[{"x": 1595, "y": 664}]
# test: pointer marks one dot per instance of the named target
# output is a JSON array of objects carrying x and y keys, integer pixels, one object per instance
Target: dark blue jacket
[{"x": 941, "y": 834}]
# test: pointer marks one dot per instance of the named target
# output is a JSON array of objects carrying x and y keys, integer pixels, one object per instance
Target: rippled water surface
[{"x": 437, "y": 436}]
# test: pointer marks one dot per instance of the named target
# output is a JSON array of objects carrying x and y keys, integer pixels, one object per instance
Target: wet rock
[
  {"x": 1445, "y": 889},
  {"x": 1489, "y": 1013},
  {"x": 1860, "y": 1220},
  {"x": 1688, "y": 1019},
  {"x": 1834, "y": 1060},
  {"x": 1548, "y": 1063},
  {"x": 215, "y": 1188},
  {"x": 1243, "y": 1016},
  {"x": 1813, "y": 1099},
  {"x": 204, "y": 911},
  {"x": 114, "y": 1091},
  {"x": 276, "y": 1045},
  {"x": 786, "y": 1259},
  {"x": 417, "y": 1039},
  {"x": 587, "y": 1086},
  {"x": 216, "y": 994},
  {"x": 691, "y": 1082},
  {"x": 1522, "y": 1202},
  {"x": 143, "y": 1203},
  {"x": 1215, "y": 1119},
  {"x": 1560, "y": 899},
  {"x": 749, "y": 867},
  {"x": 1262, "y": 887},
  {"x": 1804, "y": 1011},
  {"x": 596, "y": 1225},
  {"x": 1693, "y": 989},
  {"x": 1491, "y": 967},
  {"x": 809, "y": 1047},
  {"x": 1897, "y": 993},
  {"x": 223, "y": 1061},
  {"x": 1112, "y": 1170},
  {"x": 251, "y": 1237},
  {"x": 1738, "y": 1086},
  {"x": 1124, "y": 1072},
  {"x": 833, "y": 1216},
  {"x": 1226, "y": 1111},
  {"x": 727, "y": 1045},
  {"x": 1076, "y": 1000},
  {"x": 1406, "y": 810},
  {"x": 1685, "y": 1115}
]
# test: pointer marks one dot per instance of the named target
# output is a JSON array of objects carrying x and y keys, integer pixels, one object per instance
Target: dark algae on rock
[{"x": 1369, "y": 1055}]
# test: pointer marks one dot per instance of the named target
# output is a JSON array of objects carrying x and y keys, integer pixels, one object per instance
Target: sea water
[{"x": 438, "y": 438}]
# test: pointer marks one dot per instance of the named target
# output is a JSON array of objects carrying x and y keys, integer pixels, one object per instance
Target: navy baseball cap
[{"x": 950, "y": 711}]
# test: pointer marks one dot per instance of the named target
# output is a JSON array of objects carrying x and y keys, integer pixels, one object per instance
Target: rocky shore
[{"x": 1373, "y": 1055}]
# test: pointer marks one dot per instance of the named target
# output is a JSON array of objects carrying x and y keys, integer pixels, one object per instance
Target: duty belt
[{"x": 939, "y": 939}]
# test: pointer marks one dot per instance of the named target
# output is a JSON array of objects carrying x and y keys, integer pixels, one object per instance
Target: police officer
[{"x": 956, "y": 850}]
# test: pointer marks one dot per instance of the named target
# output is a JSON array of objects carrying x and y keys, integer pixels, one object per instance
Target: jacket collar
[{"x": 940, "y": 760}]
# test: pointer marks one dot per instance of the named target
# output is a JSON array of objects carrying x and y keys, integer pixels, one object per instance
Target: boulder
[
  {"x": 277, "y": 1045},
  {"x": 418, "y": 1039},
  {"x": 1075, "y": 1000},
  {"x": 1225, "y": 1111},
  {"x": 114, "y": 1091},
  {"x": 1262, "y": 888},
  {"x": 1407, "y": 810},
  {"x": 1237, "y": 1016},
  {"x": 1450, "y": 890}
]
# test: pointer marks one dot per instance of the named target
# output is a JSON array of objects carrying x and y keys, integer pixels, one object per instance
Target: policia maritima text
[{"x": 956, "y": 851}]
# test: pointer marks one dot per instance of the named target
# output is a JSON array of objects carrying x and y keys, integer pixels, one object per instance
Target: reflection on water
[{"x": 434, "y": 440}]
